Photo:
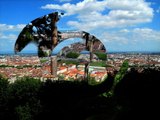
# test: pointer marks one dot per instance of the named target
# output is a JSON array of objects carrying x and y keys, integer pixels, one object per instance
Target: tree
[
  {"x": 72, "y": 55},
  {"x": 118, "y": 77},
  {"x": 23, "y": 112},
  {"x": 121, "y": 73},
  {"x": 101, "y": 55},
  {"x": 4, "y": 84},
  {"x": 24, "y": 99}
]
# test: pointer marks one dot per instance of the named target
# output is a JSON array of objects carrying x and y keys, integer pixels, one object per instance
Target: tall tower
[{"x": 54, "y": 66}]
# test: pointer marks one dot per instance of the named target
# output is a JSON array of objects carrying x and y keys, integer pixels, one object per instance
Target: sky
[{"x": 122, "y": 25}]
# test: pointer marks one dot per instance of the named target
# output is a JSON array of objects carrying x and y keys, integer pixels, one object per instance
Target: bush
[
  {"x": 101, "y": 55},
  {"x": 72, "y": 55}
]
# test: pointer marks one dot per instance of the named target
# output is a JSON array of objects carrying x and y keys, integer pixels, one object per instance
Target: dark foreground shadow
[
  {"x": 73, "y": 100},
  {"x": 136, "y": 96}
]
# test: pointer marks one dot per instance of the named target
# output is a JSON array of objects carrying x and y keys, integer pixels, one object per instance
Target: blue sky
[{"x": 122, "y": 25}]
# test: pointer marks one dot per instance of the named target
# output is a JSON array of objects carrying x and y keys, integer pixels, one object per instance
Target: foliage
[
  {"x": 43, "y": 60},
  {"x": 98, "y": 63},
  {"x": 25, "y": 90},
  {"x": 31, "y": 99},
  {"x": 61, "y": 77},
  {"x": 92, "y": 81},
  {"x": 121, "y": 73},
  {"x": 19, "y": 67},
  {"x": 4, "y": 96},
  {"x": 101, "y": 55},
  {"x": 118, "y": 77},
  {"x": 3, "y": 66},
  {"x": 24, "y": 101},
  {"x": 23, "y": 112},
  {"x": 69, "y": 62},
  {"x": 3, "y": 86},
  {"x": 72, "y": 55}
]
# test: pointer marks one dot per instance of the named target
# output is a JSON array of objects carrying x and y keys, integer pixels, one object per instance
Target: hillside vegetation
[{"x": 134, "y": 96}]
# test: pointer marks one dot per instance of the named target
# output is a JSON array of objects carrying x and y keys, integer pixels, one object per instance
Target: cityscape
[
  {"x": 79, "y": 59},
  {"x": 18, "y": 66}
]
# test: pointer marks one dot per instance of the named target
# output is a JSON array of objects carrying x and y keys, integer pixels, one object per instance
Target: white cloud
[
  {"x": 8, "y": 37},
  {"x": 124, "y": 31},
  {"x": 128, "y": 4},
  {"x": 115, "y": 37},
  {"x": 125, "y": 36},
  {"x": 10, "y": 32},
  {"x": 83, "y": 7},
  {"x": 5, "y": 27},
  {"x": 146, "y": 34},
  {"x": 64, "y": 0},
  {"x": 130, "y": 39},
  {"x": 92, "y": 14}
]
